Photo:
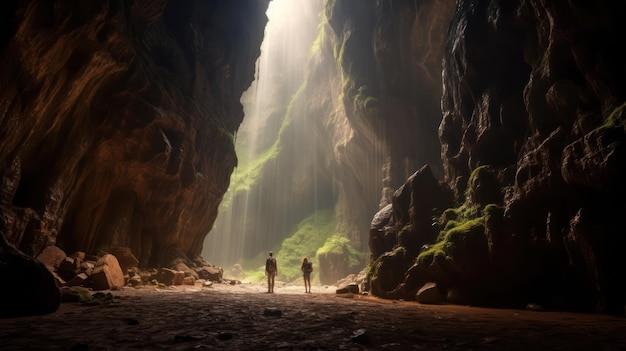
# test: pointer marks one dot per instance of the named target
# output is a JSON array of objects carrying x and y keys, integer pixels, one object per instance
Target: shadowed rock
[{"x": 28, "y": 287}]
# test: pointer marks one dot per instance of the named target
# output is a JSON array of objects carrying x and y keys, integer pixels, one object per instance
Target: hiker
[
  {"x": 306, "y": 268},
  {"x": 270, "y": 270}
]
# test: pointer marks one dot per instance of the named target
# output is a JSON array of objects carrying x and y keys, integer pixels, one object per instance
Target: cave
[{"x": 423, "y": 152}]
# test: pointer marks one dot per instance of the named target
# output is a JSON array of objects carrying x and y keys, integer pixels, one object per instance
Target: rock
[
  {"x": 51, "y": 256},
  {"x": 429, "y": 294},
  {"x": 351, "y": 288},
  {"x": 125, "y": 257},
  {"x": 28, "y": 287},
  {"x": 128, "y": 174},
  {"x": 212, "y": 273},
  {"x": 107, "y": 274},
  {"x": 78, "y": 280},
  {"x": 170, "y": 277},
  {"x": 87, "y": 267},
  {"x": 134, "y": 280},
  {"x": 69, "y": 266},
  {"x": 190, "y": 280},
  {"x": 78, "y": 254},
  {"x": 182, "y": 266},
  {"x": 457, "y": 296},
  {"x": 350, "y": 278},
  {"x": 57, "y": 278}
]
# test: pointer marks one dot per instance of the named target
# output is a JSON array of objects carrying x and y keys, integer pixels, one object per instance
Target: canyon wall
[
  {"x": 532, "y": 141},
  {"x": 489, "y": 136},
  {"x": 118, "y": 121},
  {"x": 365, "y": 117}
]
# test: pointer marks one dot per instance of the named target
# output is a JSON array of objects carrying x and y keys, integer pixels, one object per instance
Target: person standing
[
  {"x": 270, "y": 271},
  {"x": 306, "y": 268}
]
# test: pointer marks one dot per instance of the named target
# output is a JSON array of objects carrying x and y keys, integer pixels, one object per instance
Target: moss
[
  {"x": 362, "y": 101},
  {"x": 472, "y": 182},
  {"x": 321, "y": 34},
  {"x": 309, "y": 235},
  {"x": 490, "y": 209},
  {"x": 443, "y": 256},
  {"x": 249, "y": 169},
  {"x": 616, "y": 118},
  {"x": 341, "y": 245}
]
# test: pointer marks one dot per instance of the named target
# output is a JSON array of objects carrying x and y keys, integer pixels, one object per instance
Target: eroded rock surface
[
  {"x": 532, "y": 139},
  {"x": 118, "y": 121}
]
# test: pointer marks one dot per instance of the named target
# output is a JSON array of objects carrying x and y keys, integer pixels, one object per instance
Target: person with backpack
[
  {"x": 306, "y": 268},
  {"x": 271, "y": 269}
]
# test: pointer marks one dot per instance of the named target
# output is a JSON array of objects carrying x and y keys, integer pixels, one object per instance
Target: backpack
[
  {"x": 308, "y": 267},
  {"x": 271, "y": 264}
]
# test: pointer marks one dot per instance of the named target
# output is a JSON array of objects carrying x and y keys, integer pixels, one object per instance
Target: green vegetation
[
  {"x": 617, "y": 117},
  {"x": 321, "y": 34},
  {"x": 337, "y": 244},
  {"x": 444, "y": 256},
  {"x": 249, "y": 168},
  {"x": 362, "y": 101},
  {"x": 462, "y": 230},
  {"x": 310, "y": 234}
]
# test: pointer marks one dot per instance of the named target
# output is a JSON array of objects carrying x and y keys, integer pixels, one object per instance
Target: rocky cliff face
[
  {"x": 389, "y": 57},
  {"x": 533, "y": 149},
  {"x": 118, "y": 121},
  {"x": 372, "y": 88}
]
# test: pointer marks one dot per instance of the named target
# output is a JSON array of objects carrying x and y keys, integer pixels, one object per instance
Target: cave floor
[{"x": 242, "y": 317}]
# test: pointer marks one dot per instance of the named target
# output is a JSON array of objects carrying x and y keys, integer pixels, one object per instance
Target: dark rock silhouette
[{"x": 28, "y": 287}]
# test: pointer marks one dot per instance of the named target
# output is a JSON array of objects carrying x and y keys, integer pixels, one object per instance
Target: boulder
[
  {"x": 87, "y": 267},
  {"x": 429, "y": 294},
  {"x": 170, "y": 277},
  {"x": 78, "y": 280},
  {"x": 28, "y": 286},
  {"x": 107, "y": 274},
  {"x": 181, "y": 266},
  {"x": 134, "y": 280},
  {"x": 79, "y": 254},
  {"x": 190, "y": 280},
  {"x": 125, "y": 257},
  {"x": 350, "y": 288},
  {"x": 69, "y": 267},
  {"x": 212, "y": 273},
  {"x": 51, "y": 256}
]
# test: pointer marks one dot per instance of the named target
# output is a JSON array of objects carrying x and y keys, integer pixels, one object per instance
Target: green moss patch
[{"x": 309, "y": 235}]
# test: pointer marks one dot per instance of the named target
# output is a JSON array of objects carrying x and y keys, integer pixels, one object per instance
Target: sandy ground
[{"x": 244, "y": 317}]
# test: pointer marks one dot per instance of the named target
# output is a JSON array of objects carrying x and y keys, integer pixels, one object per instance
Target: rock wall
[
  {"x": 118, "y": 121},
  {"x": 389, "y": 57},
  {"x": 372, "y": 87},
  {"x": 532, "y": 141}
]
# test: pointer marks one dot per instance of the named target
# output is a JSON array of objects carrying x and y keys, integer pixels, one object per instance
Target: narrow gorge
[{"x": 476, "y": 145}]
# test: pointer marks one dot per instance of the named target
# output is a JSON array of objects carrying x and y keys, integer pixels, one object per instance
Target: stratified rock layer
[{"x": 118, "y": 121}]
